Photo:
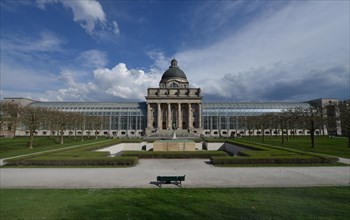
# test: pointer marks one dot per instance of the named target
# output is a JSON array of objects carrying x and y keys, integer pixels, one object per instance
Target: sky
[{"x": 89, "y": 50}]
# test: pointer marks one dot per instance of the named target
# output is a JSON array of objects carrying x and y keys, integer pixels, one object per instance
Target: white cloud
[
  {"x": 93, "y": 58},
  {"x": 118, "y": 83},
  {"x": 116, "y": 28},
  {"x": 45, "y": 42},
  {"x": 124, "y": 83},
  {"x": 89, "y": 14},
  {"x": 289, "y": 44},
  {"x": 298, "y": 52},
  {"x": 160, "y": 61},
  {"x": 19, "y": 79}
]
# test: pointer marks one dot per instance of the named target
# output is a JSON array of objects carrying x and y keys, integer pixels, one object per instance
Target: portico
[{"x": 173, "y": 105}]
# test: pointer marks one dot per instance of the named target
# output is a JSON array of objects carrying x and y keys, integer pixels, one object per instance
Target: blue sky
[{"x": 71, "y": 50}]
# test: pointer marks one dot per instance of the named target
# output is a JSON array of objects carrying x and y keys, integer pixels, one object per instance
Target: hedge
[
  {"x": 174, "y": 154},
  {"x": 115, "y": 161},
  {"x": 274, "y": 149},
  {"x": 251, "y": 160}
]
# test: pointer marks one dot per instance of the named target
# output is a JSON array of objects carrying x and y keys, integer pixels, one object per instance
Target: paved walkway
[{"x": 198, "y": 174}]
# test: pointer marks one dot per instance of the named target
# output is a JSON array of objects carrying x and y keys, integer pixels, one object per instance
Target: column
[
  {"x": 199, "y": 115},
  {"x": 190, "y": 125},
  {"x": 169, "y": 116},
  {"x": 110, "y": 122},
  {"x": 159, "y": 116},
  {"x": 149, "y": 124},
  {"x": 179, "y": 117}
]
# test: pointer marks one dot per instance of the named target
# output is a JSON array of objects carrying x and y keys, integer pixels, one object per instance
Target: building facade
[
  {"x": 173, "y": 106},
  {"x": 176, "y": 106}
]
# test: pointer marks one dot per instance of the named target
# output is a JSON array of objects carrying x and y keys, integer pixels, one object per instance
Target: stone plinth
[{"x": 174, "y": 145}]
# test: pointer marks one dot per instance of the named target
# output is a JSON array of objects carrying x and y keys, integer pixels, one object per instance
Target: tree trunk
[
  {"x": 62, "y": 142},
  {"x": 14, "y": 131},
  {"x": 312, "y": 139},
  {"x": 282, "y": 137},
  {"x": 30, "y": 139},
  {"x": 312, "y": 134},
  {"x": 263, "y": 134},
  {"x": 58, "y": 136}
]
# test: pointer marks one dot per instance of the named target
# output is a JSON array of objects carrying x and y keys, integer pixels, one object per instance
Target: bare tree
[
  {"x": 32, "y": 118},
  {"x": 275, "y": 123},
  {"x": 344, "y": 111},
  {"x": 283, "y": 119},
  {"x": 63, "y": 118},
  {"x": 81, "y": 121},
  {"x": 53, "y": 123},
  {"x": 96, "y": 122},
  {"x": 72, "y": 123},
  {"x": 250, "y": 124},
  {"x": 9, "y": 117},
  {"x": 89, "y": 122},
  {"x": 310, "y": 118},
  {"x": 265, "y": 123}
]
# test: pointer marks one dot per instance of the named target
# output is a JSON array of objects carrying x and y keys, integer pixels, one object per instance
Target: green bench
[{"x": 168, "y": 179}]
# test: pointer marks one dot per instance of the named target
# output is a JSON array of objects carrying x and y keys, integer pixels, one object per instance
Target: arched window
[{"x": 174, "y": 85}]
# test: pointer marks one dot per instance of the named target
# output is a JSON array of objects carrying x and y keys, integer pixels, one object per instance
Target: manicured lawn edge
[
  {"x": 240, "y": 160},
  {"x": 282, "y": 148},
  {"x": 79, "y": 156},
  {"x": 110, "y": 161},
  {"x": 251, "y": 157}
]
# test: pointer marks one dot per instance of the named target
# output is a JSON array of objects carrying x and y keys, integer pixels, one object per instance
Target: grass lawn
[
  {"x": 77, "y": 155},
  {"x": 232, "y": 203},
  {"x": 336, "y": 146},
  {"x": 18, "y": 146},
  {"x": 86, "y": 156}
]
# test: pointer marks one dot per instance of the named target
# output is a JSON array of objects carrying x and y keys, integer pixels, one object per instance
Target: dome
[{"x": 173, "y": 72}]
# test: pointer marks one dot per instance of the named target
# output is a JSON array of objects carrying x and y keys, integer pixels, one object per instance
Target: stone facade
[
  {"x": 174, "y": 145},
  {"x": 173, "y": 106}
]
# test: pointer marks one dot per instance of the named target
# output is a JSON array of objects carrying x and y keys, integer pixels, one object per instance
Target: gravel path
[{"x": 198, "y": 174}]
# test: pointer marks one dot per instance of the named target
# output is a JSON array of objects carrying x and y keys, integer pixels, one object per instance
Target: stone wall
[{"x": 172, "y": 145}]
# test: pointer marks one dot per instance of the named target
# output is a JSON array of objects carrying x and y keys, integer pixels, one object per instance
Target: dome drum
[{"x": 174, "y": 77}]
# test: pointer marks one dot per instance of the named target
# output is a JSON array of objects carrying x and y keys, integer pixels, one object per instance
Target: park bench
[{"x": 168, "y": 179}]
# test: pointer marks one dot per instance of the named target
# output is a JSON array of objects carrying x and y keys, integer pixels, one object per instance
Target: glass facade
[
  {"x": 117, "y": 116},
  {"x": 232, "y": 115},
  {"x": 132, "y": 116}
]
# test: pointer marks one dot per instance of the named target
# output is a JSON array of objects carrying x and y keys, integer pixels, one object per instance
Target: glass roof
[
  {"x": 143, "y": 106},
  {"x": 96, "y": 105},
  {"x": 254, "y": 105}
]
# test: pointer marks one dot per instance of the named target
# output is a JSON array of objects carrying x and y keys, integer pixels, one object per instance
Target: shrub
[
  {"x": 112, "y": 161},
  {"x": 271, "y": 160}
]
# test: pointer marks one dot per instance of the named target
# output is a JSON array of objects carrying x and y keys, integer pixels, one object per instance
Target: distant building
[{"x": 176, "y": 106}]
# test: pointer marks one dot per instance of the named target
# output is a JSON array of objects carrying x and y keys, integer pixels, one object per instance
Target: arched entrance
[{"x": 184, "y": 125}]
